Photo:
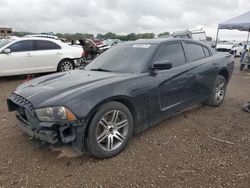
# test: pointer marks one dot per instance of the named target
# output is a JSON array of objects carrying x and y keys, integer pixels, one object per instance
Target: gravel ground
[{"x": 201, "y": 147}]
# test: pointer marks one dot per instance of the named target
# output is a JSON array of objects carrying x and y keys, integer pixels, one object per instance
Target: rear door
[
  {"x": 20, "y": 60},
  {"x": 48, "y": 55},
  {"x": 173, "y": 84},
  {"x": 204, "y": 68}
]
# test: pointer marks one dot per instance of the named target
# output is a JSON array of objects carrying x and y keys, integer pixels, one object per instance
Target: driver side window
[
  {"x": 173, "y": 53},
  {"x": 22, "y": 46}
]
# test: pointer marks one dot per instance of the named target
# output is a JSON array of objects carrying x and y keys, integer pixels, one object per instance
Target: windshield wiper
[{"x": 100, "y": 69}]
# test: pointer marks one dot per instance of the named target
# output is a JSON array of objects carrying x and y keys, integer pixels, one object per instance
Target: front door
[
  {"x": 174, "y": 84},
  {"x": 19, "y": 60}
]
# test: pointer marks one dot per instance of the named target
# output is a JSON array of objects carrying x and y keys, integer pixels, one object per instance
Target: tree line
[{"x": 109, "y": 35}]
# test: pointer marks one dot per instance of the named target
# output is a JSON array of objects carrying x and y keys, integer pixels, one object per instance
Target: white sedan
[
  {"x": 37, "y": 55},
  {"x": 238, "y": 49}
]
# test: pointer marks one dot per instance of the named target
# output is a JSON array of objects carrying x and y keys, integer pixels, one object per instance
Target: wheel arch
[
  {"x": 64, "y": 59},
  {"x": 225, "y": 74},
  {"x": 127, "y": 101}
]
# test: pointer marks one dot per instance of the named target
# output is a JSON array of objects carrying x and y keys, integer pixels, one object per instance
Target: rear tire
[
  {"x": 218, "y": 92},
  {"x": 110, "y": 130},
  {"x": 65, "y": 65}
]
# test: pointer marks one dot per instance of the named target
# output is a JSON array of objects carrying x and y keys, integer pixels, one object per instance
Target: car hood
[
  {"x": 225, "y": 46},
  {"x": 56, "y": 87}
]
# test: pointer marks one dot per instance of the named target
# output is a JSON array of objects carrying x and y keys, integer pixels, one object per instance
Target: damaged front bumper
[
  {"x": 78, "y": 61},
  {"x": 46, "y": 135},
  {"x": 72, "y": 133}
]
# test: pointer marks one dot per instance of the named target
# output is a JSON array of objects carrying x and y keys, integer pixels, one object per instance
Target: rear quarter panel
[
  {"x": 72, "y": 52},
  {"x": 205, "y": 71},
  {"x": 225, "y": 61}
]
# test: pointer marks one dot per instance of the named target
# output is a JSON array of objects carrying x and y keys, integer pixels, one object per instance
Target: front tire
[
  {"x": 66, "y": 65},
  {"x": 110, "y": 130},
  {"x": 218, "y": 92}
]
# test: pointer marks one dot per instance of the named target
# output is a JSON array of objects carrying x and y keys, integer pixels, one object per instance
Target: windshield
[
  {"x": 4, "y": 42},
  {"x": 125, "y": 58}
]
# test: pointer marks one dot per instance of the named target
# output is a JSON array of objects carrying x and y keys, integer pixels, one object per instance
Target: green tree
[
  {"x": 21, "y": 33},
  {"x": 148, "y": 35},
  {"x": 60, "y": 35},
  {"x": 74, "y": 36},
  {"x": 99, "y": 36},
  {"x": 131, "y": 36},
  {"x": 163, "y": 34},
  {"x": 109, "y": 35}
]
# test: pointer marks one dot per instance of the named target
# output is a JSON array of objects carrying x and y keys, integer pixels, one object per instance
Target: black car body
[{"x": 159, "y": 89}]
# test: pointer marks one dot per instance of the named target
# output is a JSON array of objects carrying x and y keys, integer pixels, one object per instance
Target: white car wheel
[{"x": 65, "y": 65}]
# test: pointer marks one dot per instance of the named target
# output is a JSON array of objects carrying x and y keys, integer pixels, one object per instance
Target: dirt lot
[{"x": 202, "y": 147}]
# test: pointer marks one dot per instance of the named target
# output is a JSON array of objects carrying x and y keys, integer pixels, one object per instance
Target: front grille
[
  {"x": 223, "y": 50},
  {"x": 22, "y": 102},
  {"x": 21, "y": 112}
]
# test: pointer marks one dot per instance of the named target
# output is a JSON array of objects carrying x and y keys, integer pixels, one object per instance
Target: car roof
[
  {"x": 35, "y": 38},
  {"x": 153, "y": 41},
  {"x": 160, "y": 41}
]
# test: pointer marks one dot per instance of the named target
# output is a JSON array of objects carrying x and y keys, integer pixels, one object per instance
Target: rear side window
[
  {"x": 46, "y": 45},
  {"x": 207, "y": 53},
  {"x": 194, "y": 51},
  {"x": 173, "y": 53},
  {"x": 22, "y": 46}
]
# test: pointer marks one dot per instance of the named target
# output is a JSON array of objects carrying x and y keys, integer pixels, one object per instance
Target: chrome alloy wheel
[
  {"x": 112, "y": 130},
  {"x": 67, "y": 66},
  {"x": 220, "y": 90}
]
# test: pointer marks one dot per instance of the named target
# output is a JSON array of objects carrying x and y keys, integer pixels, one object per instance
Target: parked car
[
  {"x": 101, "y": 45},
  {"x": 235, "y": 48},
  {"x": 43, "y": 36},
  {"x": 225, "y": 46},
  {"x": 191, "y": 34},
  {"x": 37, "y": 55},
  {"x": 112, "y": 42},
  {"x": 126, "y": 89},
  {"x": 98, "y": 42},
  {"x": 238, "y": 48}
]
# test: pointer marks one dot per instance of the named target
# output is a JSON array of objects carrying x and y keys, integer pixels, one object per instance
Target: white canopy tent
[{"x": 241, "y": 23}]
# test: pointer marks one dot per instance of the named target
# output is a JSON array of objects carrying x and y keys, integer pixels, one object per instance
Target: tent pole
[
  {"x": 248, "y": 35},
  {"x": 216, "y": 41}
]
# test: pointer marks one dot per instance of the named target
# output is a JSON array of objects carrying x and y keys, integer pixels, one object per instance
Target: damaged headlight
[{"x": 55, "y": 114}]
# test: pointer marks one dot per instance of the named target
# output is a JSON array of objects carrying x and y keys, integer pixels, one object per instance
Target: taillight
[{"x": 83, "y": 53}]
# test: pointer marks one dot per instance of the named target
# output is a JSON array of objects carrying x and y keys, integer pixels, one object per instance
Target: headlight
[{"x": 55, "y": 114}]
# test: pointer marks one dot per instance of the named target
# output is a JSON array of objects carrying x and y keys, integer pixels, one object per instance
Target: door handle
[{"x": 59, "y": 53}]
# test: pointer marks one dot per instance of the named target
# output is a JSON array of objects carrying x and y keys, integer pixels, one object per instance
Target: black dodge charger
[{"x": 123, "y": 91}]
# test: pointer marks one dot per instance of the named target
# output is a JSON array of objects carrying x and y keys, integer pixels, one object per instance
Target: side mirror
[
  {"x": 7, "y": 51},
  {"x": 162, "y": 65}
]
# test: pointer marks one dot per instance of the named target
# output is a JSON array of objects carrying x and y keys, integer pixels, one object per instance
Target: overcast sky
[{"x": 121, "y": 16}]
